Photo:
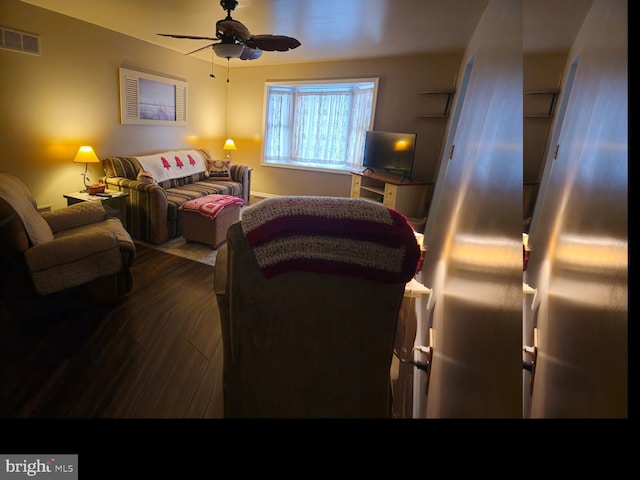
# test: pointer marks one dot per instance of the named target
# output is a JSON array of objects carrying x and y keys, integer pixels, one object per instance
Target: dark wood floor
[{"x": 155, "y": 354}]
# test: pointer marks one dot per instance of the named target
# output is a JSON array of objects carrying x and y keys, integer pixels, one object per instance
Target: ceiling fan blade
[
  {"x": 193, "y": 37},
  {"x": 232, "y": 28},
  {"x": 250, "y": 53},
  {"x": 201, "y": 48},
  {"x": 271, "y": 43}
]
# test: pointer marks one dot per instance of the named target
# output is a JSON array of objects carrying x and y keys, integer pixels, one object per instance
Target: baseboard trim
[{"x": 263, "y": 195}]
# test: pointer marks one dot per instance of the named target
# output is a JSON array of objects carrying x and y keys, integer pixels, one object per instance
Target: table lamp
[
  {"x": 87, "y": 155},
  {"x": 228, "y": 146}
]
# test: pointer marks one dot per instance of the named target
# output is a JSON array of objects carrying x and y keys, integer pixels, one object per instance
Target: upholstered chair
[
  {"x": 61, "y": 260},
  {"x": 308, "y": 291}
]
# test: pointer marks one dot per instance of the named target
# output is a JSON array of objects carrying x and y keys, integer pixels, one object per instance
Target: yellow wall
[{"x": 69, "y": 96}]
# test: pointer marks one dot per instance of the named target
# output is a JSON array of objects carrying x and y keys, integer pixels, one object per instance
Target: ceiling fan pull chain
[
  {"x": 228, "y": 60},
  {"x": 211, "y": 74}
]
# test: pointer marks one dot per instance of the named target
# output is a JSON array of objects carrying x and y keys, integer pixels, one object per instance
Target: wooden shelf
[
  {"x": 445, "y": 114},
  {"x": 379, "y": 191},
  {"x": 552, "y": 104}
]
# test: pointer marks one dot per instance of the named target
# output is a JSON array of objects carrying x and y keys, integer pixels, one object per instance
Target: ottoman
[{"x": 207, "y": 219}]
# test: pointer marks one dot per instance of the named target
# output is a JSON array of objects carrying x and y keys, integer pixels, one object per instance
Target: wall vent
[{"x": 19, "y": 41}]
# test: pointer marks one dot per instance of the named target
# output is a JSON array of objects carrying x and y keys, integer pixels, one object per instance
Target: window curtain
[{"x": 310, "y": 126}]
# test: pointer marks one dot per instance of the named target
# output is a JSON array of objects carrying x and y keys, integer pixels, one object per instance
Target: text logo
[{"x": 51, "y": 467}]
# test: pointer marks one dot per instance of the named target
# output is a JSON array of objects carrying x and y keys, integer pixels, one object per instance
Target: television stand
[{"x": 407, "y": 197}]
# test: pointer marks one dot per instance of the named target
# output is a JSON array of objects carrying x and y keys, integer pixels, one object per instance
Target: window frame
[{"x": 312, "y": 82}]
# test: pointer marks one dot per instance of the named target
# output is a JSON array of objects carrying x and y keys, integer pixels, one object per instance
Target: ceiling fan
[{"x": 233, "y": 39}]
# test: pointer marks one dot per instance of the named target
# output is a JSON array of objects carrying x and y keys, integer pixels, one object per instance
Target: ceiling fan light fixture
[{"x": 228, "y": 50}]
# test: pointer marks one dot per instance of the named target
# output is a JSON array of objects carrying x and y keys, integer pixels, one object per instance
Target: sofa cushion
[{"x": 189, "y": 191}]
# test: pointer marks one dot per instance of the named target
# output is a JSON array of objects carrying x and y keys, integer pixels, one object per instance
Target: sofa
[{"x": 159, "y": 184}]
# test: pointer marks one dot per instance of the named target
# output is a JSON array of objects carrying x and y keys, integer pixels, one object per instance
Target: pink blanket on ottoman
[{"x": 211, "y": 205}]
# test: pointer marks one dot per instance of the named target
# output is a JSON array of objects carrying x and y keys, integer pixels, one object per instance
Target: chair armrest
[
  {"x": 76, "y": 215},
  {"x": 242, "y": 174},
  {"x": 220, "y": 287},
  {"x": 124, "y": 184},
  {"x": 149, "y": 202},
  {"x": 73, "y": 260},
  {"x": 221, "y": 271}
]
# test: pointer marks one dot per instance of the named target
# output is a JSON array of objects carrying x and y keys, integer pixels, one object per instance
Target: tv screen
[{"x": 390, "y": 152}]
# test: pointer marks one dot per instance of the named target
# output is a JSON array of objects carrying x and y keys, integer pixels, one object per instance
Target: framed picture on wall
[{"x": 150, "y": 99}]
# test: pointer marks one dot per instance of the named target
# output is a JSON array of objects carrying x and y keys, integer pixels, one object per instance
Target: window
[{"x": 318, "y": 125}]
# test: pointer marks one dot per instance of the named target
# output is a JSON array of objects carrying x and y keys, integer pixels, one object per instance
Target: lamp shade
[
  {"x": 228, "y": 50},
  {"x": 229, "y": 145},
  {"x": 86, "y": 155}
]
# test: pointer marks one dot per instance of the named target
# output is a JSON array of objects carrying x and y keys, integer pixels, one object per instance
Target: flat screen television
[{"x": 389, "y": 152}]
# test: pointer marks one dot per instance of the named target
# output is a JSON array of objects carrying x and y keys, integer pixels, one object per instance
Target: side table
[{"x": 115, "y": 205}]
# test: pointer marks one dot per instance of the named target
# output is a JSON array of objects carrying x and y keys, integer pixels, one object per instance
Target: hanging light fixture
[{"x": 228, "y": 50}]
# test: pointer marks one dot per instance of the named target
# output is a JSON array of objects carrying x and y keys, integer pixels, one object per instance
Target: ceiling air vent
[{"x": 19, "y": 41}]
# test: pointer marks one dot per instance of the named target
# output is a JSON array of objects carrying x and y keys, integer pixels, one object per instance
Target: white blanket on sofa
[{"x": 173, "y": 164}]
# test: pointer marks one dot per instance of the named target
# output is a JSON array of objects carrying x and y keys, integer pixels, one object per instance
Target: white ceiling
[{"x": 327, "y": 29}]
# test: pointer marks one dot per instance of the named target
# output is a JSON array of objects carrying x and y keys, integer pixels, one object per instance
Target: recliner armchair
[
  {"x": 61, "y": 260},
  {"x": 309, "y": 290}
]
